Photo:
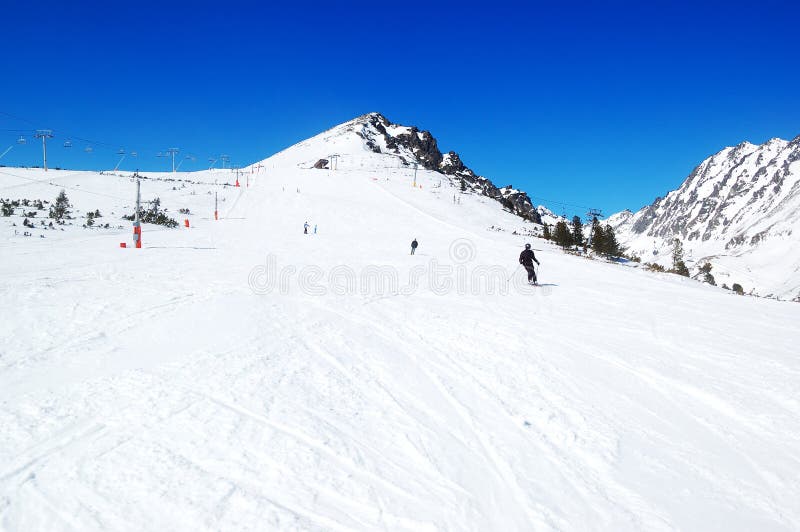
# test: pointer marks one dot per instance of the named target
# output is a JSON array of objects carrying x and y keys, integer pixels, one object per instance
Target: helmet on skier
[{"x": 527, "y": 246}]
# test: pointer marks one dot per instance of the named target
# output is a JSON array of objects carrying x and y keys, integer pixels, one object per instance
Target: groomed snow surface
[{"x": 240, "y": 375}]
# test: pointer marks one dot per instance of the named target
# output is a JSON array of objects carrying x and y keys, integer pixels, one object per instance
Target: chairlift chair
[
  {"x": 67, "y": 143},
  {"x": 21, "y": 140}
]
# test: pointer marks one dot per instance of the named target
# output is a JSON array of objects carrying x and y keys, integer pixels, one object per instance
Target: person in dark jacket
[
  {"x": 414, "y": 245},
  {"x": 527, "y": 258}
]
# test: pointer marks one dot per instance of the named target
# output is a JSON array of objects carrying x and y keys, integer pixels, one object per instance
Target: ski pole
[{"x": 515, "y": 271}]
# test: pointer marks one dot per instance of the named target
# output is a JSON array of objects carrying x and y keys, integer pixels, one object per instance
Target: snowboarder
[
  {"x": 414, "y": 245},
  {"x": 527, "y": 258},
  {"x": 305, "y": 228}
]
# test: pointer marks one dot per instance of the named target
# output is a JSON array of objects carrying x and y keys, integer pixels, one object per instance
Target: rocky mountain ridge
[
  {"x": 738, "y": 210},
  {"x": 415, "y": 146}
]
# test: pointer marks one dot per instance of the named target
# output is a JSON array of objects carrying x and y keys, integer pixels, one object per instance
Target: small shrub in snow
[
  {"x": 680, "y": 268},
  {"x": 705, "y": 269},
  {"x": 154, "y": 215}
]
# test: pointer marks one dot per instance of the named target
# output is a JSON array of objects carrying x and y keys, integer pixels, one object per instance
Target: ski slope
[{"x": 182, "y": 386}]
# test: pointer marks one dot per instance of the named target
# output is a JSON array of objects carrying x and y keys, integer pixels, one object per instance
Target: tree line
[{"x": 602, "y": 239}]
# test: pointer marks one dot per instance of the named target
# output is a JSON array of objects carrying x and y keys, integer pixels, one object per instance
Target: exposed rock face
[
  {"x": 415, "y": 146},
  {"x": 321, "y": 164},
  {"x": 739, "y": 210},
  {"x": 725, "y": 195}
]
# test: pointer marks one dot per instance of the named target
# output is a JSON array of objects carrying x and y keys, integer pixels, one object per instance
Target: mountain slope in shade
[{"x": 739, "y": 210}]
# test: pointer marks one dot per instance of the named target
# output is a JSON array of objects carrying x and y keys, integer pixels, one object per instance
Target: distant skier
[
  {"x": 527, "y": 258},
  {"x": 305, "y": 228},
  {"x": 315, "y": 229},
  {"x": 414, "y": 245}
]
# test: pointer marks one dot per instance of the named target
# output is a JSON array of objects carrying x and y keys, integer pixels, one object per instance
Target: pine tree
[
  {"x": 738, "y": 289},
  {"x": 60, "y": 209},
  {"x": 577, "y": 231},
  {"x": 681, "y": 269},
  {"x": 677, "y": 253},
  {"x": 562, "y": 235},
  {"x": 546, "y": 232},
  {"x": 678, "y": 266},
  {"x": 7, "y": 209},
  {"x": 610, "y": 245},
  {"x": 705, "y": 269},
  {"x": 598, "y": 237}
]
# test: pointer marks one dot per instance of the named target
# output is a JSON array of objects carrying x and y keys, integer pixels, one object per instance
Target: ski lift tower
[
  {"x": 173, "y": 152},
  {"x": 334, "y": 157},
  {"x": 224, "y": 159},
  {"x": 121, "y": 153},
  {"x": 44, "y": 134}
]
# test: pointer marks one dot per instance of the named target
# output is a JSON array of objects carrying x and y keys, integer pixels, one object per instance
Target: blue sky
[{"x": 582, "y": 104}]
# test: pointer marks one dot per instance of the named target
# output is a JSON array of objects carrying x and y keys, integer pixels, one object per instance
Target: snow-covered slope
[
  {"x": 241, "y": 375},
  {"x": 406, "y": 147},
  {"x": 739, "y": 210}
]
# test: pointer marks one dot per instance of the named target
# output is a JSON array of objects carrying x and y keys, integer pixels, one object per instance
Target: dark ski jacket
[
  {"x": 414, "y": 244},
  {"x": 527, "y": 258}
]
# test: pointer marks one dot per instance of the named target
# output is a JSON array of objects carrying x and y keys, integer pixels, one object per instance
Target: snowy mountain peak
[
  {"x": 406, "y": 146},
  {"x": 738, "y": 208}
]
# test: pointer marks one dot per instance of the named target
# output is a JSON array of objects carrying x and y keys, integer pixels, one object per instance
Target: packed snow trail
[{"x": 154, "y": 389}]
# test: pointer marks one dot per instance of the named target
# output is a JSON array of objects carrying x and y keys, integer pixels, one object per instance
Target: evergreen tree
[
  {"x": 8, "y": 209},
  {"x": 738, "y": 289},
  {"x": 577, "y": 231},
  {"x": 610, "y": 245},
  {"x": 60, "y": 209},
  {"x": 562, "y": 235},
  {"x": 598, "y": 237},
  {"x": 705, "y": 269},
  {"x": 546, "y": 232},
  {"x": 678, "y": 266},
  {"x": 677, "y": 253},
  {"x": 681, "y": 269}
]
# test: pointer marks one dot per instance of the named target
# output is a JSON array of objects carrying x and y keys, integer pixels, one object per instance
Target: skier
[
  {"x": 305, "y": 228},
  {"x": 527, "y": 258},
  {"x": 414, "y": 245},
  {"x": 315, "y": 229}
]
